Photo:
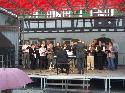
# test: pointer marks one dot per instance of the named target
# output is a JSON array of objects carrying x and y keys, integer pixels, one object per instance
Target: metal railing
[{"x": 2, "y": 60}]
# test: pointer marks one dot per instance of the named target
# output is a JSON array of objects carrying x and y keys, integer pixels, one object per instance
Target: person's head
[
  {"x": 110, "y": 43},
  {"x": 79, "y": 41},
  {"x": 32, "y": 46},
  {"x": 64, "y": 45},
  {"x": 103, "y": 43},
  {"x": 100, "y": 43},
  {"x": 75, "y": 43},
  {"x": 82, "y": 41},
  {"x": 48, "y": 42},
  {"x": 42, "y": 45},
  {"x": 27, "y": 43},
  {"x": 43, "y": 42},
  {"x": 51, "y": 45},
  {"x": 58, "y": 44}
]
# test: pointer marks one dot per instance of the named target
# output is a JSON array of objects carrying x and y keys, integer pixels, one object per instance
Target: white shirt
[
  {"x": 42, "y": 51},
  {"x": 24, "y": 48}
]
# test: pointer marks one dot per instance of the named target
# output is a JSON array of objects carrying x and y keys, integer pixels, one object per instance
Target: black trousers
[
  {"x": 33, "y": 63},
  {"x": 43, "y": 62},
  {"x": 100, "y": 62},
  {"x": 116, "y": 60}
]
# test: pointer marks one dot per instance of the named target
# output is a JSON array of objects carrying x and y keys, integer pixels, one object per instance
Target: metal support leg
[
  {"x": 62, "y": 84},
  {"x": 105, "y": 80},
  {"x": 123, "y": 83},
  {"x": 83, "y": 84},
  {"x": 109, "y": 86},
  {"x": 44, "y": 84},
  {"x": 41, "y": 83}
]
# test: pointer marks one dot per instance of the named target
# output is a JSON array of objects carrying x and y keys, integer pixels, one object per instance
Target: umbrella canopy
[
  {"x": 31, "y": 6},
  {"x": 11, "y": 78},
  {"x": 110, "y": 4}
]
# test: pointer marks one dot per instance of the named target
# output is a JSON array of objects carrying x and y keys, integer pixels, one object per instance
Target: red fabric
[
  {"x": 77, "y": 4},
  {"x": 31, "y": 6},
  {"x": 42, "y": 4},
  {"x": 60, "y": 5},
  {"x": 101, "y": 4}
]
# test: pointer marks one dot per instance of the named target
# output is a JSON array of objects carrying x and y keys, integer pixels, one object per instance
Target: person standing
[
  {"x": 56, "y": 48},
  {"x": 50, "y": 56},
  {"x": 100, "y": 56},
  {"x": 43, "y": 52},
  {"x": 90, "y": 58},
  {"x": 80, "y": 57},
  {"x": 115, "y": 48},
  {"x": 26, "y": 60},
  {"x": 32, "y": 53},
  {"x": 110, "y": 56}
]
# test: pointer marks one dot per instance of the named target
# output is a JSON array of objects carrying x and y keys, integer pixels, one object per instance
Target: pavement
[{"x": 41, "y": 91}]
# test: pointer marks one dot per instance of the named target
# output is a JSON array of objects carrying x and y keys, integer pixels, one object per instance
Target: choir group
[{"x": 94, "y": 55}]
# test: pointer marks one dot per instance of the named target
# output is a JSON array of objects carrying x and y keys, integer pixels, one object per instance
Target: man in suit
[
  {"x": 80, "y": 56},
  {"x": 32, "y": 53}
]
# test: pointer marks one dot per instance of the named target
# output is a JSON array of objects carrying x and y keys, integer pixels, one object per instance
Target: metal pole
[
  {"x": 2, "y": 61},
  {"x": 41, "y": 83},
  {"x": 105, "y": 80},
  {"x": 44, "y": 84},
  {"x": 109, "y": 86},
  {"x": 7, "y": 61}
]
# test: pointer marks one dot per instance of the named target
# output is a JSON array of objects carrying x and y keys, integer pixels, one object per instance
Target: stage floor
[
  {"x": 106, "y": 75},
  {"x": 115, "y": 74}
]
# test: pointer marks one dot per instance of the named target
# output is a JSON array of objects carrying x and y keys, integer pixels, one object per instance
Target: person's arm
[{"x": 66, "y": 54}]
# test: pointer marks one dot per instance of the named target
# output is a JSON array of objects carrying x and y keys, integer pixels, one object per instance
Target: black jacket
[
  {"x": 62, "y": 56},
  {"x": 80, "y": 50}
]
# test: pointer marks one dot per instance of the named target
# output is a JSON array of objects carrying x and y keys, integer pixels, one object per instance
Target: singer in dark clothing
[
  {"x": 32, "y": 54},
  {"x": 100, "y": 56},
  {"x": 80, "y": 56},
  {"x": 62, "y": 59}
]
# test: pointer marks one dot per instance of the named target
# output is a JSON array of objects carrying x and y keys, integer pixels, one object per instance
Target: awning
[{"x": 31, "y": 6}]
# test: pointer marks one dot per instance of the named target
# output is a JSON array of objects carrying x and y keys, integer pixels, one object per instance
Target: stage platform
[{"x": 106, "y": 75}]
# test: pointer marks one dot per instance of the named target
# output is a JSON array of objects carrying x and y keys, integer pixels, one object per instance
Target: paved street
[{"x": 40, "y": 91}]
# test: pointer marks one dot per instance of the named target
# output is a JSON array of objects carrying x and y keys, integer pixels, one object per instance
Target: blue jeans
[
  {"x": 80, "y": 65},
  {"x": 116, "y": 60},
  {"x": 111, "y": 64}
]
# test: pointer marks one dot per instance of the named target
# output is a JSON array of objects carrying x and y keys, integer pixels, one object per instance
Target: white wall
[{"x": 3, "y": 19}]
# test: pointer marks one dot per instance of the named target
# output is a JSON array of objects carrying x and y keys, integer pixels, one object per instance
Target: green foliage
[
  {"x": 84, "y": 13},
  {"x": 40, "y": 12},
  {"x": 77, "y": 13},
  {"x": 117, "y": 13},
  {"x": 11, "y": 21}
]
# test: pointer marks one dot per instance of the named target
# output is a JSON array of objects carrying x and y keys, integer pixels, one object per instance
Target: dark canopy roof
[{"x": 31, "y": 6}]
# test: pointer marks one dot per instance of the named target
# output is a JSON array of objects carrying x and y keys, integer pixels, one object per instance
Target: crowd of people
[{"x": 94, "y": 55}]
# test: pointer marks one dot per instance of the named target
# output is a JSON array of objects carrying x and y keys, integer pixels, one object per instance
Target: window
[
  {"x": 51, "y": 40},
  {"x": 66, "y": 40},
  {"x": 34, "y": 40}
]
